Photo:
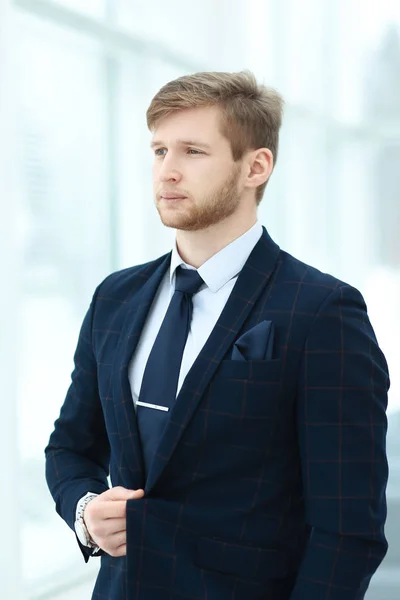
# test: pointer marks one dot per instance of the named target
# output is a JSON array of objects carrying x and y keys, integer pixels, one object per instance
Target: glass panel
[
  {"x": 94, "y": 8},
  {"x": 191, "y": 29},
  {"x": 367, "y": 57},
  {"x": 63, "y": 140},
  {"x": 303, "y": 160},
  {"x": 305, "y": 51}
]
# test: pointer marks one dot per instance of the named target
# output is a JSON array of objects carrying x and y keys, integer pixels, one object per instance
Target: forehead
[{"x": 202, "y": 124}]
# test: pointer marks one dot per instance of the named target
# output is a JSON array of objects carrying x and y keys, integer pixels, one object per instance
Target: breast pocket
[{"x": 246, "y": 389}]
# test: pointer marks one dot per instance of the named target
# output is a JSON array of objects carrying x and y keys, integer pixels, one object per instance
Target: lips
[{"x": 172, "y": 196}]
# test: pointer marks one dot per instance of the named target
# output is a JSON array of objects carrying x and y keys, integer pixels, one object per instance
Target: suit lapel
[
  {"x": 252, "y": 280},
  {"x": 136, "y": 311}
]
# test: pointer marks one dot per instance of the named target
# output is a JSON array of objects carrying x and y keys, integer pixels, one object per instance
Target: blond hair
[{"x": 251, "y": 113}]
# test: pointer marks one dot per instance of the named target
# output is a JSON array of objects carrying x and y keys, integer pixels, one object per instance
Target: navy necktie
[{"x": 161, "y": 374}]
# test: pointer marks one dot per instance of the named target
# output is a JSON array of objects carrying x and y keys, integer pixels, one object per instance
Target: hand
[{"x": 105, "y": 519}]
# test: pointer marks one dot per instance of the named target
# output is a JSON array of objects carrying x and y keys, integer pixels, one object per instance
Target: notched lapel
[{"x": 136, "y": 311}]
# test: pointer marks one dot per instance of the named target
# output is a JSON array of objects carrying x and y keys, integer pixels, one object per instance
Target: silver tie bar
[{"x": 155, "y": 406}]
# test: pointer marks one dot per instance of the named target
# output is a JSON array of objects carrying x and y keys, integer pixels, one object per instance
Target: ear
[{"x": 260, "y": 164}]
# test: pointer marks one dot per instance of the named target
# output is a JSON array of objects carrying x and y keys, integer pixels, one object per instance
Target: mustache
[{"x": 166, "y": 191}]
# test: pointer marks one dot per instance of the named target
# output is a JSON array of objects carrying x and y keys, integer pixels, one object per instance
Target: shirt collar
[{"x": 225, "y": 264}]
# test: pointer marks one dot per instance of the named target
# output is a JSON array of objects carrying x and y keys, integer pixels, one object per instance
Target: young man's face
[{"x": 196, "y": 181}]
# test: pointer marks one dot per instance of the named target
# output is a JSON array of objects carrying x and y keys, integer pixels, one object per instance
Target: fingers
[
  {"x": 111, "y": 504},
  {"x": 101, "y": 510},
  {"x": 101, "y": 530},
  {"x": 115, "y": 545},
  {"x": 121, "y": 551},
  {"x": 121, "y": 493},
  {"x": 110, "y": 510},
  {"x": 105, "y": 519}
]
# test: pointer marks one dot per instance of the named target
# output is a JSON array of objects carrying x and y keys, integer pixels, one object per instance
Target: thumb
[{"x": 121, "y": 493}]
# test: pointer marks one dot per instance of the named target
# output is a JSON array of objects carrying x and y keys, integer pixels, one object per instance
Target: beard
[{"x": 218, "y": 205}]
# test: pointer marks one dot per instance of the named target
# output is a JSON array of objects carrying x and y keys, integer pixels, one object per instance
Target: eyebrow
[{"x": 182, "y": 143}]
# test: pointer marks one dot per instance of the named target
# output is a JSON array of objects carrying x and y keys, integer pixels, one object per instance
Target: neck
[{"x": 196, "y": 247}]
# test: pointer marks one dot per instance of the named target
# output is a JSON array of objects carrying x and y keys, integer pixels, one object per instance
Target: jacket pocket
[{"x": 241, "y": 561}]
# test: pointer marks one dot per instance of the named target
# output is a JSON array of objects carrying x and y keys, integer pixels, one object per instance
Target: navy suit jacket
[{"x": 269, "y": 480}]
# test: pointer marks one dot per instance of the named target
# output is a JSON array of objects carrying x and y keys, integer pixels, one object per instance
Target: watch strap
[{"x": 80, "y": 508}]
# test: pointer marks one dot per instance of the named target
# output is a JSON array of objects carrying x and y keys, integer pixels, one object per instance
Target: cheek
[
  {"x": 205, "y": 176},
  {"x": 155, "y": 174}
]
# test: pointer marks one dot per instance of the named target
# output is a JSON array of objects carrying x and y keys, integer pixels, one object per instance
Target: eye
[
  {"x": 193, "y": 151},
  {"x": 158, "y": 151}
]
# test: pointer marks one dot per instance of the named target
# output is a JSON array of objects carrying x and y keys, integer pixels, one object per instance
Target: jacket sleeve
[
  {"x": 78, "y": 453},
  {"x": 341, "y": 417}
]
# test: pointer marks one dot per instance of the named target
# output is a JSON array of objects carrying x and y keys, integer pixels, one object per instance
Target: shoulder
[
  {"x": 121, "y": 284},
  {"x": 310, "y": 285}
]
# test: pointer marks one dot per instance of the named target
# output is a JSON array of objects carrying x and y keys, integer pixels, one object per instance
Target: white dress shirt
[{"x": 219, "y": 274}]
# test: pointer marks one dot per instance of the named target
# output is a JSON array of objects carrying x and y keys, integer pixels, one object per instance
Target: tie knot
[{"x": 187, "y": 281}]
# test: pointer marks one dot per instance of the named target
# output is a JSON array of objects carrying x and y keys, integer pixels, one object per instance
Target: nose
[{"x": 168, "y": 171}]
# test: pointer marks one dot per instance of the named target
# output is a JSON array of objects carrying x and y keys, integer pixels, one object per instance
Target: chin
[
  {"x": 176, "y": 221},
  {"x": 177, "y": 224}
]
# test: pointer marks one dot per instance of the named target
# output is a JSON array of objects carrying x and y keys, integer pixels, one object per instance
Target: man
[{"x": 235, "y": 396}]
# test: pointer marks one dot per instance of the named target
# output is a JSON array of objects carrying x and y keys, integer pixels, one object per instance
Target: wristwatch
[{"x": 79, "y": 525}]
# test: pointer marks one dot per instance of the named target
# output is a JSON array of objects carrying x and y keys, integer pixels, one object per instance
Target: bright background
[{"x": 76, "y": 77}]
